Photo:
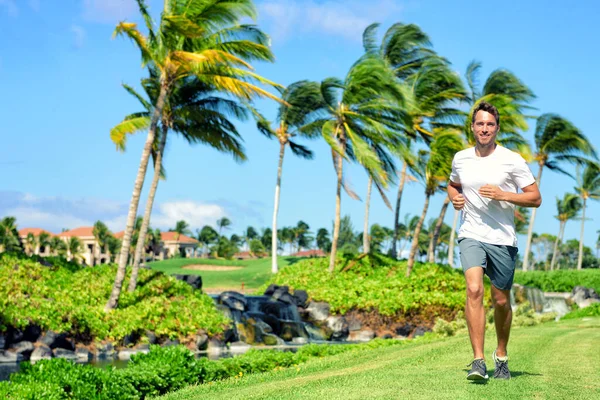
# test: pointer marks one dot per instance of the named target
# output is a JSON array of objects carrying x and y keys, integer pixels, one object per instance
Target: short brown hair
[{"x": 487, "y": 107}]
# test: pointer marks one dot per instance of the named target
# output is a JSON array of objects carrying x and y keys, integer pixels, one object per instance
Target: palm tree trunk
[
  {"x": 338, "y": 206},
  {"x": 113, "y": 300},
  {"x": 580, "y": 257},
  {"x": 531, "y": 221},
  {"x": 452, "y": 237},
  {"x": 437, "y": 231},
  {"x": 139, "y": 248},
  {"x": 415, "y": 241},
  {"x": 366, "y": 247},
  {"x": 556, "y": 242},
  {"x": 274, "y": 267},
  {"x": 397, "y": 211}
]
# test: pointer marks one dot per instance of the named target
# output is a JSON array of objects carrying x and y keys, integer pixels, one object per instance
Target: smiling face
[{"x": 485, "y": 129}]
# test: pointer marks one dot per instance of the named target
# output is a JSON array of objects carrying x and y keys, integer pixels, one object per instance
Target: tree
[
  {"x": 557, "y": 141},
  {"x": 435, "y": 166},
  {"x": 357, "y": 113},
  {"x": 101, "y": 234},
  {"x": 588, "y": 187},
  {"x": 223, "y": 223},
  {"x": 256, "y": 247},
  {"x": 181, "y": 228},
  {"x": 57, "y": 246},
  {"x": 75, "y": 248},
  {"x": 266, "y": 238},
  {"x": 323, "y": 241},
  {"x": 298, "y": 100},
  {"x": 249, "y": 234},
  {"x": 43, "y": 241},
  {"x": 302, "y": 236},
  {"x": 198, "y": 38},
  {"x": 207, "y": 236},
  {"x": 349, "y": 241},
  {"x": 114, "y": 246},
  {"x": 437, "y": 231},
  {"x": 30, "y": 243},
  {"x": 9, "y": 235},
  {"x": 567, "y": 208}
]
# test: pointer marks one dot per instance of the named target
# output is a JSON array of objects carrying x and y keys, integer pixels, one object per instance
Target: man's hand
[
  {"x": 491, "y": 192},
  {"x": 458, "y": 202}
]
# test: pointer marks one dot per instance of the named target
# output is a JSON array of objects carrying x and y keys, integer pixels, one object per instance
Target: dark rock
[
  {"x": 271, "y": 289},
  {"x": 225, "y": 310},
  {"x": 32, "y": 333},
  {"x": 64, "y": 353},
  {"x": 131, "y": 339},
  {"x": 387, "y": 336},
  {"x": 280, "y": 291},
  {"x": 272, "y": 340},
  {"x": 233, "y": 300},
  {"x": 318, "y": 311},
  {"x": 236, "y": 316},
  {"x": 290, "y": 330},
  {"x": 317, "y": 333},
  {"x": 195, "y": 281},
  {"x": 105, "y": 351},
  {"x": 230, "y": 335},
  {"x": 420, "y": 331},
  {"x": 214, "y": 346},
  {"x": 10, "y": 357},
  {"x": 83, "y": 354},
  {"x": 201, "y": 341},
  {"x": 48, "y": 338},
  {"x": 270, "y": 320},
  {"x": 263, "y": 326},
  {"x": 14, "y": 335},
  {"x": 41, "y": 352},
  {"x": 287, "y": 298},
  {"x": 170, "y": 342},
  {"x": 54, "y": 340},
  {"x": 2, "y": 342},
  {"x": 301, "y": 298},
  {"x": 353, "y": 324},
  {"x": 338, "y": 326},
  {"x": 25, "y": 348},
  {"x": 152, "y": 339},
  {"x": 404, "y": 330}
]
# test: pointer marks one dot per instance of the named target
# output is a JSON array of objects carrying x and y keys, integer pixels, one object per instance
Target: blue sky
[{"x": 61, "y": 75}]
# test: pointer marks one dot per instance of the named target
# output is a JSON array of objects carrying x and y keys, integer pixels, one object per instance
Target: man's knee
[
  {"x": 501, "y": 298},
  {"x": 475, "y": 291}
]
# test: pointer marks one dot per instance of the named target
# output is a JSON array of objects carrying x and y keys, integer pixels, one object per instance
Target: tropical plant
[
  {"x": 30, "y": 243},
  {"x": 358, "y": 113},
  {"x": 349, "y": 241},
  {"x": 567, "y": 208},
  {"x": 302, "y": 237},
  {"x": 249, "y": 234},
  {"x": 57, "y": 246},
  {"x": 9, "y": 235},
  {"x": 588, "y": 187},
  {"x": 322, "y": 240},
  {"x": 181, "y": 228},
  {"x": 434, "y": 166},
  {"x": 207, "y": 236},
  {"x": 43, "y": 241},
  {"x": 437, "y": 230},
  {"x": 201, "y": 38},
  {"x": 114, "y": 246},
  {"x": 101, "y": 234},
  {"x": 557, "y": 141},
  {"x": 298, "y": 101},
  {"x": 75, "y": 249},
  {"x": 223, "y": 223}
]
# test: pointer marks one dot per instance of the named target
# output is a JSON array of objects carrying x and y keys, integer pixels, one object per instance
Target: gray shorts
[{"x": 498, "y": 261}]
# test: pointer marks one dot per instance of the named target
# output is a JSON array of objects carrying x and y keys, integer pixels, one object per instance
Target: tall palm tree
[
  {"x": 74, "y": 249},
  {"x": 298, "y": 101},
  {"x": 567, "y": 208},
  {"x": 557, "y": 141},
  {"x": 57, "y": 246},
  {"x": 207, "y": 236},
  {"x": 43, "y": 241},
  {"x": 249, "y": 234},
  {"x": 588, "y": 187},
  {"x": 202, "y": 38},
  {"x": 435, "y": 167},
  {"x": 30, "y": 243},
  {"x": 9, "y": 235},
  {"x": 433, "y": 243},
  {"x": 359, "y": 112},
  {"x": 101, "y": 234},
  {"x": 223, "y": 223},
  {"x": 181, "y": 228}
]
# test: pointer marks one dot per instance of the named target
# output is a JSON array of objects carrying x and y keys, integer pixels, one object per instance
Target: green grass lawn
[
  {"x": 557, "y": 360},
  {"x": 254, "y": 273}
]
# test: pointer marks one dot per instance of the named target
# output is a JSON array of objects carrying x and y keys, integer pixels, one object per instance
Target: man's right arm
[{"x": 455, "y": 195}]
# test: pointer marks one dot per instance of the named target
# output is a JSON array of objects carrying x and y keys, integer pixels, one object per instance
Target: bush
[
  {"x": 64, "y": 297},
  {"x": 593, "y": 310},
  {"x": 561, "y": 280},
  {"x": 375, "y": 282}
]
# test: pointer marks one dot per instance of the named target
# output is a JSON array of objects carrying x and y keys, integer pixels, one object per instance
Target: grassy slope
[
  {"x": 549, "y": 361},
  {"x": 254, "y": 272}
]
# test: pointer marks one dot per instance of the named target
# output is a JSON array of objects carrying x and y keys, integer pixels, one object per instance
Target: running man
[{"x": 484, "y": 184}]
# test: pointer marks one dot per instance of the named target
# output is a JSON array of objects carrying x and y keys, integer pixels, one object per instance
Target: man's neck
[{"x": 484, "y": 151}]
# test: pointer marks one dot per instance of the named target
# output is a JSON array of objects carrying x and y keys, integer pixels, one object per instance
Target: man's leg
[
  {"x": 502, "y": 318},
  {"x": 474, "y": 311}
]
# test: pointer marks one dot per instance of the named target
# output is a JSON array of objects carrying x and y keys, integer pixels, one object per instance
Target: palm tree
[
  {"x": 598, "y": 244},
  {"x": 114, "y": 246},
  {"x": 557, "y": 141},
  {"x": 30, "y": 244},
  {"x": 9, "y": 235},
  {"x": 249, "y": 234},
  {"x": 57, "y": 246},
  {"x": 298, "y": 100},
  {"x": 588, "y": 187},
  {"x": 199, "y": 38},
  {"x": 433, "y": 243},
  {"x": 435, "y": 167},
  {"x": 101, "y": 234},
  {"x": 181, "y": 228},
  {"x": 223, "y": 223},
  {"x": 74, "y": 248},
  {"x": 567, "y": 209},
  {"x": 43, "y": 241},
  {"x": 359, "y": 112},
  {"x": 322, "y": 240},
  {"x": 207, "y": 236}
]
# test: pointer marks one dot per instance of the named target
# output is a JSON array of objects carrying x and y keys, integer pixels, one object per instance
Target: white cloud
[
  {"x": 194, "y": 213},
  {"x": 333, "y": 17},
  {"x": 54, "y": 222},
  {"x": 10, "y": 6},
  {"x": 108, "y": 11},
  {"x": 78, "y": 36}
]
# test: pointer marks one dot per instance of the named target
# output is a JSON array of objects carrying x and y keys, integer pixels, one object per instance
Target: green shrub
[
  {"x": 560, "y": 280},
  {"x": 32, "y": 391},
  {"x": 375, "y": 283},
  {"x": 69, "y": 298},
  {"x": 593, "y": 310}
]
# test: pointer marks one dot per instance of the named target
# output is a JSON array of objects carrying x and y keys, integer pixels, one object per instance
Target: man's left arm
[{"x": 530, "y": 197}]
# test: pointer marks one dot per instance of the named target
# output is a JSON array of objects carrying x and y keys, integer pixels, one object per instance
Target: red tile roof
[
  {"x": 35, "y": 231},
  {"x": 310, "y": 253},
  {"x": 119, "y": 235},
  {"x": 79, "y": 232},
  {"x": 170, "y": 236}
]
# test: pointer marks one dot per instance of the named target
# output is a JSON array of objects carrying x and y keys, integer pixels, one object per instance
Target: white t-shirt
[{"x": 483, "y": 219}]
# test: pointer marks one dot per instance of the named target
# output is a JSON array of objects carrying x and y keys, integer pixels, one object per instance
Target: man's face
[{"x": 485, "y": 128}]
